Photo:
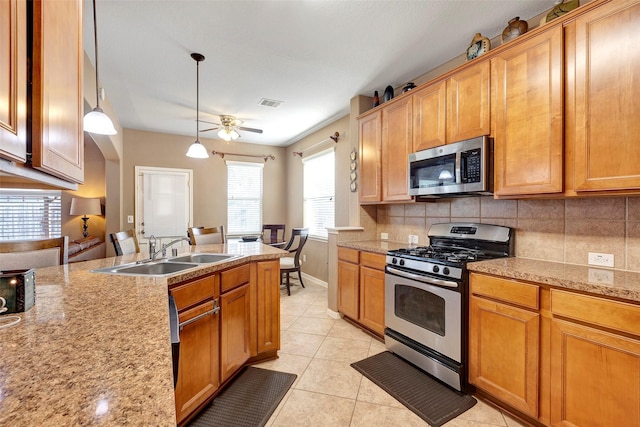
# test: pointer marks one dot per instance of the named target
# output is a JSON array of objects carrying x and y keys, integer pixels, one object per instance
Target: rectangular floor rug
[
  {"x": 248, "y": 401},
  {"x": 426, "y": 397}
]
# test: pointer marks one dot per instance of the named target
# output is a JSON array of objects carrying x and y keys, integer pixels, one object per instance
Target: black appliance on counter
[{"x": 427, "y": 295}]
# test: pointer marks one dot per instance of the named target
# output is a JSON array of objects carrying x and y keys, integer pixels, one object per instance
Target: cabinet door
[
  {"x": 504, "y": 344},
  {"x": 13, "y": 80},
  {"x": 57, "y": 108},
  {"x": 468, "y": 102},
  {"x": 268, "y": 321},
  {"x": 595, "y": 377},
  {"x": 348, "y": 285},
  {"x": 528, "y": 112},
  {"x": 235, "y": 335},
  {"x": 369, "y": 169},
  {"x": 607, "y": 89},
  {"x": 396, "y": 147},
  {"x": 372, "y": 299},
  {"x": 199, "y": 367},
  {"x": 429, "y": 113}
]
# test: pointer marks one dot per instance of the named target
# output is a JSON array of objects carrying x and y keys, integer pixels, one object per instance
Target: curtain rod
[
  {"x": 265, "y": 157},
  {"x": 334, "y": 137}
]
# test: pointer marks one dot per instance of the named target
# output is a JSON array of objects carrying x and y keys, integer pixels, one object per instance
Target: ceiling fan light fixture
[
  {"x": 197, "y": 150},
  {"x": 228, "y": 134},
  {"x": 96, "y": 121}
]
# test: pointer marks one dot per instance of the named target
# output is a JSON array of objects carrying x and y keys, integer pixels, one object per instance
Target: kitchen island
[{"x": 95, "y": 349}]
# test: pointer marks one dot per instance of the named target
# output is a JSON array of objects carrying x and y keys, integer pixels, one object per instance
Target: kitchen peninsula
[{"x": 95, "y": 349}]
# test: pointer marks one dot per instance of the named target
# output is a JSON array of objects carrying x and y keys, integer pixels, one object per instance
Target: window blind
[
  {"x": 30, "y": 214},
  {"x": 319, "y": 192},
  {"x": 244, "y": 198}
]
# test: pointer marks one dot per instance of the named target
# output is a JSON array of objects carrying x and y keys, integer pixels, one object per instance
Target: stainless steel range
[{"x": 426, "y": 296}]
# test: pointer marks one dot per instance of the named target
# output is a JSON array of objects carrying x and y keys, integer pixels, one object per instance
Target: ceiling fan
[{"x": 229, "y": 127}]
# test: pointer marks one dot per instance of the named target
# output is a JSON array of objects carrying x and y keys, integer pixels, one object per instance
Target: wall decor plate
[
  {"x": 353, "y": 176},
  {"x": 353, "y": 187},
  {"x": 353, "y": 166},
  {"x": 353, "y": 155}
]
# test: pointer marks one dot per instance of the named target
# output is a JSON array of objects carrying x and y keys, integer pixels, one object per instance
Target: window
[
  {"x": 244, "y": 198},
  {"x": 319, "y": 192},
  {"x": 30, "y": 214}
]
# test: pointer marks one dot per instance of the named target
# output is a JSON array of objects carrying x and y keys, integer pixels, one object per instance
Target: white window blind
[
  {"x": 30, "y": 214},
  {"x": 319, "y": 192},
  {"x": 244, "y": 198}
]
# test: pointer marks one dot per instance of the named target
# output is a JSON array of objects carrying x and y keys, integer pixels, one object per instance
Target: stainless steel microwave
[{"x": 458, "y": 169}]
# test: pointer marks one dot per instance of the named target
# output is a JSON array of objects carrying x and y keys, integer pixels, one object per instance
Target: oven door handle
[{"x": 423, "y": 279}]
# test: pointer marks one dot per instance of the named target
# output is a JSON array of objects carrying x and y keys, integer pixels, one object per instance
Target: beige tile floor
[{"x": 329, "y": 392}]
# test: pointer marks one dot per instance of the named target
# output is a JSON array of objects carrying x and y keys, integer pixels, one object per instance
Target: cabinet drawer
[
  {"x": 349, "y": 255},
  {"x": 370, "y": 259},
  {"x": 190, "y": 294},
  {"x": 234, "y": 277},
  {"x": 617, "y": 315},
  {"x": 511, "y": 291}
]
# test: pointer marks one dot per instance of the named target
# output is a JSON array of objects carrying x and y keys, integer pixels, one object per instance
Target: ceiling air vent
[{"x": 265, "y": 102}]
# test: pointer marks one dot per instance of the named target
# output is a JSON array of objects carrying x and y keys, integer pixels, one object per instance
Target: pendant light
[
  {"x": 96, "y": 121},
  {"x": 197, "y": 150}
]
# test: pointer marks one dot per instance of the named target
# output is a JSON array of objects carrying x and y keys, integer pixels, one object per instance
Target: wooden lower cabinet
[
  {"x": 199, "y": 367},
  {"x": 361, "y": 288},
  {"x": 595, "y": 370},
  {"x": 372, "y": 291},
  {"x": 235, "y": 330},
  {"x": 268, "y": 306},
  {"x": 504, "y": 340},
  {"x": 348, "y": 282}
]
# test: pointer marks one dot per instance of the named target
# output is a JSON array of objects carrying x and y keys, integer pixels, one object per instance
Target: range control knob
[
  {"x": 436, "y": 268},
  {"x": 401, "y": 262},
  {"x": 445, "y": 270},
  {"x": 394, "y": 261}
]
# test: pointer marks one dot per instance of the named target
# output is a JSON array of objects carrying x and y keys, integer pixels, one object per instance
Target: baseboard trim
[
  {"x": 333, "y": 314},
  {"x": 314, "y": 280}
]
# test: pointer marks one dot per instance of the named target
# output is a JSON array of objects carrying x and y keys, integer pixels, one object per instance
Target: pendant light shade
[
  {"x": 197, "y": 150},
  {"x": 96, "y": 121}
]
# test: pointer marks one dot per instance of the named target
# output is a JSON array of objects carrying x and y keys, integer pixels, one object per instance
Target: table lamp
[{"x": 85, "y": 207}]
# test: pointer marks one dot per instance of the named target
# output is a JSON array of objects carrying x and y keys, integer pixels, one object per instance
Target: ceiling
[{"x": 313, "y": 55}]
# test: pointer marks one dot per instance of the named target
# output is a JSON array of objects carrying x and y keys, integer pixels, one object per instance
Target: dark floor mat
[
  {"x": 430, "y": 400},
  {"x": 248, "y": 401}
]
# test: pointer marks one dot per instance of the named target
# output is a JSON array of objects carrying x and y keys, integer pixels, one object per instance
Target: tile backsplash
[{"x": 563, "y": 230}]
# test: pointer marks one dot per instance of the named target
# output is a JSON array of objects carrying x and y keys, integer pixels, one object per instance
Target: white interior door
[{"x": 164, "y": 203}]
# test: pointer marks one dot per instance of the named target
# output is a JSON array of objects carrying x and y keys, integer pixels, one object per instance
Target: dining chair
[
  {"x": 27, "y": 254},
  {"x": 290, "y": 265},
  {"x": 206, "y": 236},
  {"x": 125, "y": 242},
  {"x": 273, "y": 234}
]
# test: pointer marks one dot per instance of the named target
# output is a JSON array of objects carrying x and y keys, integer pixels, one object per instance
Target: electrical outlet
[
  {"x": 304, "y": 258},
  {"x": 603, "y": 260},
  {"x": 384, "y": 236},
  {"x": 600, "y": 276},
  {"x": 413, "y": 239},
  {"x": 129, "y": 219}
]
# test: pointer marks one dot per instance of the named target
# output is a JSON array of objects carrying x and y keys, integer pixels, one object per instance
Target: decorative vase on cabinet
[
  {"x": 516, "y": 27},
  {"x": 479, "y": 46}
]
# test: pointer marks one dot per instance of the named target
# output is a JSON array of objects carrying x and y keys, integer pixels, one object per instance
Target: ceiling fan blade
[
  {"x": 207, "y": 130},
  {"x": 211, "y": 123},
  {"x": 250, "y": 129}
]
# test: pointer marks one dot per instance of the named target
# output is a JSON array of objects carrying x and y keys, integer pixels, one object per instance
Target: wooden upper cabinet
[
  {"x": 13, "y": 80},
  {"x": 369, "y": 170},
  {"x": 396, "y": 147},
  {"x": 57, "y": 108},
  {"x": 604, "y": 46},
  {"x": 468, "y": 103},
  {"x": 429, "y": 116},
  {"x": 528, "y": 116}
]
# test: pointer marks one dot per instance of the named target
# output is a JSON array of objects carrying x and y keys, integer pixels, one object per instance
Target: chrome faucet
[
  {"x": 152, "y": 245},
  {"x": 164, "y": 247}
]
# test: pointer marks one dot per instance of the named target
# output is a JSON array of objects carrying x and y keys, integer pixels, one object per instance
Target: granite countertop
[
  {"x": 95, "y": 349},
  {"x": 376, "y": 246},
  {"x": 599, "y": 281}
]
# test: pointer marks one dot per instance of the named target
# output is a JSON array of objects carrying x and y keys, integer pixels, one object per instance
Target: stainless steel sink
[
  {"x": 163, "y": 268},
  {"x": 202, "y": 258}
]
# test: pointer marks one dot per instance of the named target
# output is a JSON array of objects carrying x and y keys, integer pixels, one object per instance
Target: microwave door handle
[{"x": 458, "y": 167}]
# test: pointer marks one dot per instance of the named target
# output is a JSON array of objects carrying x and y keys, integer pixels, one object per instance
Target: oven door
[{"x": 425, "y": 309}]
